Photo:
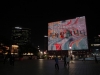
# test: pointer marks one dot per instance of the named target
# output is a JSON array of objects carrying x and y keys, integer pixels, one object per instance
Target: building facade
[
  {"x": 95, "y": 46},
  {"x": 21, "y": 36}
]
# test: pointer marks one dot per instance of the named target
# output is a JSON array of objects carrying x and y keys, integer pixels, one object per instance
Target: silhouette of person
[
  {"x": 56, "y": 63},
  {"x": 5, "y": 58},
  {"x": 96, "y": 59},
  {"x": 65, "y": 61},
  {"x": 13, "y": 60}
]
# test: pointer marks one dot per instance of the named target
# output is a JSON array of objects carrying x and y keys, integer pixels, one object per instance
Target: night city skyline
[
  {"x": 54, "y": 37},
  {"x": 28, "y": 16}
]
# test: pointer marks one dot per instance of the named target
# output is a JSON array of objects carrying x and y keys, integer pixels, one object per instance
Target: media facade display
[{"x": 68, "y": 34}]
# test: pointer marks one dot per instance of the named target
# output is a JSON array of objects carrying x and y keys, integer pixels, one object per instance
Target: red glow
[{"x": 58, "y": 46}]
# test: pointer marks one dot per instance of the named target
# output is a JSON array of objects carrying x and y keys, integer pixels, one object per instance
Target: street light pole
[
  {"x": 70, "y": 51},
  {"x": 44, "y": 44}
]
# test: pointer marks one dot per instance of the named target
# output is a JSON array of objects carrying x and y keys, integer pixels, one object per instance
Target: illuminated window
[
  {"x": 96, "y": 44},
  {"x": 91, "y": 44}
]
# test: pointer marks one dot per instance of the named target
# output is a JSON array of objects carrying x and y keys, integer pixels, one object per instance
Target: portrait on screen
[{"x": 68, "y": 34}]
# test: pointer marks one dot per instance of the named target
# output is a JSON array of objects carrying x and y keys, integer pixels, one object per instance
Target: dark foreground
[{"x": 46, "y": 67}]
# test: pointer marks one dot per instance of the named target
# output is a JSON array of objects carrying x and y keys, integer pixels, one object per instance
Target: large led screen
[{"x": 68, "y": 34}]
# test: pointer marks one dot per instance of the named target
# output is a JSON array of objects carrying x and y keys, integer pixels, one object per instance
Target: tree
[
  {"x": 31, "y": 49},
  {"x": 35, "y": 51},
  {"x": 28, "y": 48}
]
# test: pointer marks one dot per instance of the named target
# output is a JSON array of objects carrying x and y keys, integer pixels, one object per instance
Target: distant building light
[
  {"x": 18, "y": 28},
  {"x": 41, "y": 52},
  {"x": 44, "y": 52},
  {"x": 28, "y": 53},
  {"x": 1, "y": 44},
  {"x": 14, "y": 45},
  {"x": 91, "y": 44},
  {"x": 45, "y": 36},
  {"x": 99, "y": 35},
  {"x": 31, "y": 53},
  {"x": 97, "y": 49},
  {"x": 96, "y": 44}
]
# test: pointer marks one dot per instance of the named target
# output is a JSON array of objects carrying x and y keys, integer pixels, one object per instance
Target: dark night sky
[{"x": 36, "y": 15}]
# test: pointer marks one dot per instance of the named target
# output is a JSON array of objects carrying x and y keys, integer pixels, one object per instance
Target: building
[
  {"x": 95, "y": 46},
  {"x": 21, "y": 36}
]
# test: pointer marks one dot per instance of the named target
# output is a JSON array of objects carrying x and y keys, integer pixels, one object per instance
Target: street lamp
[
  {"x": 70, "y": 48},
  {"x": 70, "y": 51},
  {"x": 45, "y": 41},
  {"x": 38, "y": 47},
  {"x": 45, "y": 36},
  {"x": 41, "y": 53}
]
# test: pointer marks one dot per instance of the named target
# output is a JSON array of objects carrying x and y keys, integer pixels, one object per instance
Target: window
[
  {"x": 96, "y": 44},
  {"x": 91, "y": 44}
]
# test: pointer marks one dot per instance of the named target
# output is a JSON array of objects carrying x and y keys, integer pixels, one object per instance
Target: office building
[{"x": 21, "y": 36}]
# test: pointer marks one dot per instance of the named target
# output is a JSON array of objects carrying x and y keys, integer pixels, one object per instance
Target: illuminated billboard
[{"x": 68, "y": 34}]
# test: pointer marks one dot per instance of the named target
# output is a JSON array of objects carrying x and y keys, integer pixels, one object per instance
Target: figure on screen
[
  {"x": 57, "y": 35},
  {"x": 68, "y": 33},
  {"x": 71, "y": 33}
]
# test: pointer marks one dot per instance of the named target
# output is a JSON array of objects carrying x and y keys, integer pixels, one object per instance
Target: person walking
[
  {"x": 71, "y": 59},
  {"x": 5, "y": 58},
  {"x": 67, "y": 60},
  {"x": 84, "y": 58},
  {"x": 10, "y": 59},
  {"x": 13, "y": 59},
  {"x": 56, "y": 63},
  {"x": 96, "y": 59}
]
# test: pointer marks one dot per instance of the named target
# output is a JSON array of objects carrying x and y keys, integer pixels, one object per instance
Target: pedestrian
[
  {"x": 67, "y": 60},
  {"x": 5, "y": 58},
  {"x": 96, "y": 59},
  {"x": 10, "y": 59},
  {"x": 83, "y": 58},
  {"x": 13, "y": 60},
  {"x": 71, "y": 59},
  {"x": 56, "y": 63}
]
